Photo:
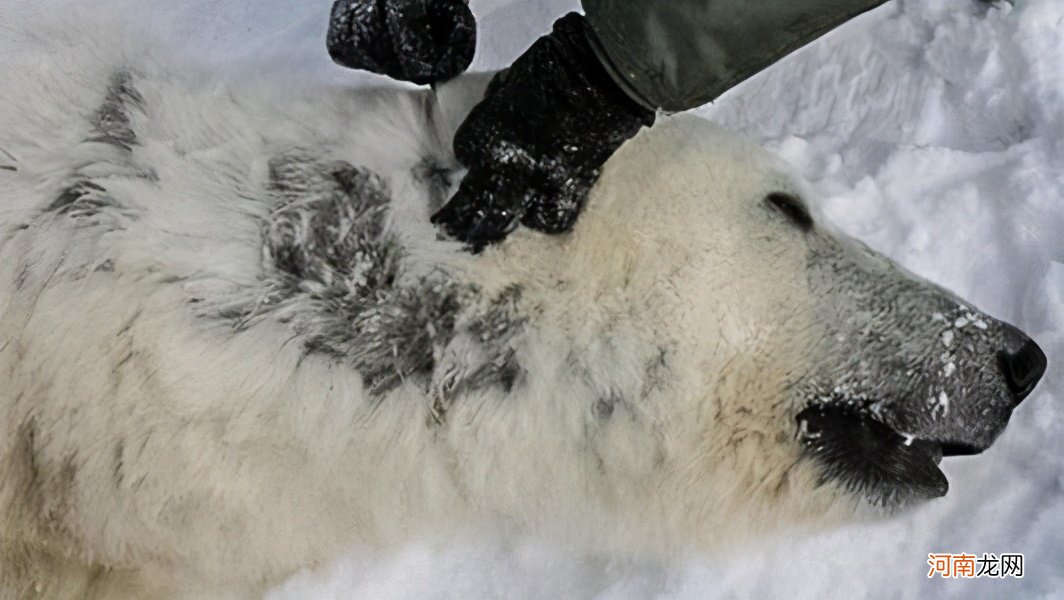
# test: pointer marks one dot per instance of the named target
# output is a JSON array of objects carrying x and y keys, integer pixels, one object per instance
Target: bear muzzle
[{"x": 888, "y": 449}]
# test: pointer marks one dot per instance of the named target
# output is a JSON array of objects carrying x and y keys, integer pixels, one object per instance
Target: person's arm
[
  {"x": 680, "y": 54},
  {"x": 535, "y": 144}
]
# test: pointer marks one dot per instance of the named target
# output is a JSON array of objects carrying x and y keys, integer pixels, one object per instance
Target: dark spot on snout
[{"x": 1023, "y": 364}]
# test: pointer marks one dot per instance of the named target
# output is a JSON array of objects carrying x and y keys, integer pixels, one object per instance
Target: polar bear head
[{"x": 791, "y": 373}]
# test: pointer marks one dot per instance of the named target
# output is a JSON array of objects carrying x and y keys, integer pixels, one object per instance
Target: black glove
[
  {"x": 422, "y": 41},
  {"x": 536, "y": 142}
]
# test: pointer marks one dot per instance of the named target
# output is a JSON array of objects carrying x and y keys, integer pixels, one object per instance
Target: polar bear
[{"x": 233, "y": 345}]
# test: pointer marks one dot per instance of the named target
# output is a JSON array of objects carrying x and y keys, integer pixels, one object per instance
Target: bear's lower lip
[
  {"x": 959, "y": 449},
  {"x": 867, "y": 457}
]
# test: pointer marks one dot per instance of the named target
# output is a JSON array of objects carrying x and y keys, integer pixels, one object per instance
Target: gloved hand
[
  {"x": 422, "y": 41},
  {"x": 535, "y": 144}
]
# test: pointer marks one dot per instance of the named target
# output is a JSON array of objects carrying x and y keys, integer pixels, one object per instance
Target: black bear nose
[{"x": 1023, "y": 368}]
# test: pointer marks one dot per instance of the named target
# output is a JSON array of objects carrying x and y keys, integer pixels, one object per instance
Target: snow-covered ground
[{"x": 935, "y": 129}]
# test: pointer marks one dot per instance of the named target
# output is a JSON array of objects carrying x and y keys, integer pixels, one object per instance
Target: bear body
[{"x": 232, "y": 345}]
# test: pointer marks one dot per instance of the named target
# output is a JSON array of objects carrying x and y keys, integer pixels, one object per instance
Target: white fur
[{"x": 244, "y": 459}]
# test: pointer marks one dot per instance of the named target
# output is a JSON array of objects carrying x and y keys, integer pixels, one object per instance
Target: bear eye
[{"x": 792, "y": 207}]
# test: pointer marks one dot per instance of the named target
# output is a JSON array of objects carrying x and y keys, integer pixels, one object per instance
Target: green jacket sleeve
[{"x": 679, "y": 54}]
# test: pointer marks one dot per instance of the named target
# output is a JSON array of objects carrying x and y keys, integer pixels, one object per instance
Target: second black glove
[
  {"x": 536, "y": 142},
  {"x": 422, "y": 41}
]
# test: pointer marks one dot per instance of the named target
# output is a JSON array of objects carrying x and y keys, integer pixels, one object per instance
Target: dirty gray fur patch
[
  {"x": 81, "y": 199},
  {"x": 603, "y": 408},
  {"x": 337, "y": 276},
  {"x": 10, "y": 157},
  {"x": 328, "y": 243},
  {"x": 656, "y": 373},
  {"x": 110, "y": 124},
  {"x": 438, "y": 178},
  {"x": 496, "y": 328},
  {"x": 482, "y": 353},
  {"x": 112, "y": 121},
  {"x": 26, "y": 458},
  {"x": 45, "y": 487},
  {"x": 118, "y": 459}
]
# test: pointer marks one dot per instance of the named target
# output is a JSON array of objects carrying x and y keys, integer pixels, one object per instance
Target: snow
[
  {"x": 934, "y": 129},
  {"x": 947, "y": 338},
  {"x": 941, "y": 404}
]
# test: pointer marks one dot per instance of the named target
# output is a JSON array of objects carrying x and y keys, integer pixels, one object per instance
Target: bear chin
[{"x": 866, "y": 457}]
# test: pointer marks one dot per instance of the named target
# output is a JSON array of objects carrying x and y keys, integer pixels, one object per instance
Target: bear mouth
[{"x": 868, "y": 457}]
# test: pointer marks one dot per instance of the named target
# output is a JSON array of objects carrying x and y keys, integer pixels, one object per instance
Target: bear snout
[
  {"x": 983, "y": 400},
  {"x": 1022, "y": 363},
  {"x": 887, "y": 423}
]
